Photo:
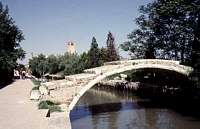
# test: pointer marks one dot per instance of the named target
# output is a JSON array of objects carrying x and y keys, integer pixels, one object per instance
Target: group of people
[{"x": 20, "y": 74}]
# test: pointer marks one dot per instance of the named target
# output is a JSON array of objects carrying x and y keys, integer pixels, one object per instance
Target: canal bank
[{"x": 140, "y": 87}]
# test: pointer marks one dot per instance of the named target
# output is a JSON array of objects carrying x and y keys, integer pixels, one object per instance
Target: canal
[{"x": 105, "y": 108}]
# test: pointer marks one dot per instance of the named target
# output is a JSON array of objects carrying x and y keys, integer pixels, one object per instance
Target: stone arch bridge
[{"x": 70, "y": 90}]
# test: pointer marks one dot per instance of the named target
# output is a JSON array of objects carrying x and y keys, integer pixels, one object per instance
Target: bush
[
  {"x": 36, "y": 82},
  {"x": 54, "y": 108},
  {"x": 49, "y": 105},
  {"x": 45, "y": 104},
  {"x": 35, "y": 88}
]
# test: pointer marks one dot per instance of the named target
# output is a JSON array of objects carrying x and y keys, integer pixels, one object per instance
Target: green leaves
[
  {"x": 93, "y": 54},
  {"x": 49, "y": 105},
  {"x": 10, "y": 50},
  {"x": 166, "y": 30},
  {"x": 62, "y": 64},
  {"x": 112, "y": 54}
]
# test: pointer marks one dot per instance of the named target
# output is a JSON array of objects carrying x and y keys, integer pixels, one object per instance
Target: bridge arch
[{"x": 122, "y": 66}]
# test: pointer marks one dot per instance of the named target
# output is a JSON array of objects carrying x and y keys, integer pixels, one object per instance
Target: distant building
[{"x": 71, "y": 48}]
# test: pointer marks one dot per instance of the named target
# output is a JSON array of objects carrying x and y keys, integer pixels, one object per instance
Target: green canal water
[{"x": 102, "y": 108}]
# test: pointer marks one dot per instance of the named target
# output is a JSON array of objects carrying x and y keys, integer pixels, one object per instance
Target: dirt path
[{"x": 17, "y": 111}]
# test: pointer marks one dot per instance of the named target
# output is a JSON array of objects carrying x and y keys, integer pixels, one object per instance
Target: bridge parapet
[
  {"x": 156, "y": 61},
  {"x": 102, "y": 69},
  {"x": 153, "y": 63},
  {"x": 142, "y": 61}
]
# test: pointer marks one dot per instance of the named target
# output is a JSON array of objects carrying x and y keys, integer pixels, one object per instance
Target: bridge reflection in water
[{"x": 102, "y": 109}]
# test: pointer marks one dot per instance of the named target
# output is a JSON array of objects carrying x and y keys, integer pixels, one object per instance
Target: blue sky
[{"x": 49, "y": 24}]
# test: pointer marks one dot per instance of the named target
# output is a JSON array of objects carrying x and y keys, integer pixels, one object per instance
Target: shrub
[
  {"x": 45, "y": 104},
  {"x": 35, "y": 82},
  {"x": 49, "y": 105},
  {"x": 55, "y": 108},
  {"x": 35, "y": 88}
]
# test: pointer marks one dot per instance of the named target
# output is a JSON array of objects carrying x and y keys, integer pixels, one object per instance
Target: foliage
[
  {"x": 68, "y": 64},
  {"x": 10, "y": 49},
  {"x": 163, "y": 31},
  {"x": 55, "y": 108},
  {"x": 62, "y": 64},
  {"x": 178, "y": 23},
  {"x": 49, "y": 105},
  {"x": 158, "y": 77},
  {"x": 183, "y": 18},
  {"x": 94, "y": 54},
  {"x": 168, "y": 29},
  {"x": 53, "y": 64},
  {"x": 35, "y": 88},
  {"x": 36, "y": 82},
  {"x": 111, "y": 50},
  {"x": 84, "y": 60},
  {"x": 20, "y": 67},
  {"x": 103, "y": 56},
  {"x": 142, "y": 42},
  {"x": 72, "y": 64},
  {"x": 45, "y": 104},
  {"x": 38, "y": 65}
]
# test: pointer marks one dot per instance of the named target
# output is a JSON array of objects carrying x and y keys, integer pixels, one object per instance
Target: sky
[{"x": 48, "y": 25}]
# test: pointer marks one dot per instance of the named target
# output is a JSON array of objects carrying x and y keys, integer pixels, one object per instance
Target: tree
[
  {"x": 10, "y": 49},
  {"x": 196, "y": 63},
  {"x": 84, "y": 60},
  {"x": 111, "y": 50},
  {"x": 103, "y": 56},
  {"x": 38, "y": 65},
  {"x": 53, "y": 64},
  {"x": 182, "y": 23},
  {"x": 142, "y": 42},
  {"x": 174, "y": 27},
  {"x": 72, "y": 64},
  {"x": 94, "y": 54},
  {"x": 66, "y": 64},
  {"x": 162, "y": 32}
]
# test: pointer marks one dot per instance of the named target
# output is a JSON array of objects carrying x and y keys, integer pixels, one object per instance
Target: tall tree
[
  {"x": 175, "y": 28},
  {"x": 94, "y": 54},
  {"x": 162, "y": 31},
  {"x": 142, "y": 41},
  {"x": 180, "y": 19},
  {"x": 103, "y": 56},
  {"x": 111, "y": 50},
  {"x": 10, "y": 49}
]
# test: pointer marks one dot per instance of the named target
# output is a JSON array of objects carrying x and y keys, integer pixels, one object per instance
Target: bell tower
[{"x": 71, "y": 47}]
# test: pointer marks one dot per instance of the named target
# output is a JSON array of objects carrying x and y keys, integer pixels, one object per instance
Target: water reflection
[{"x": 110, "y": 109}]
